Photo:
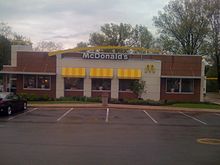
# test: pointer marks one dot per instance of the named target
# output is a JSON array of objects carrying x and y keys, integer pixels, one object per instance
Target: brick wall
[
  {"x": 195, "y": 97},
  {"x": 73, "y": 93},
  {"x": 51, "y": 93}
]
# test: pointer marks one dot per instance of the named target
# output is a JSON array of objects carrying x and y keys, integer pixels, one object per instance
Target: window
[
  {"x": 187, "y": 85},
  {"x": 43, "y": 82},
  {"x": 29, "y": 81},
  {"x": 101, "y": 84},
  {"x": 37, "y": 82},
  {"x": 125, "y": 85},
  {"x": 73, "y": 83},
  {"x": 173, "y": 85},
  {"x": 178, "y": 85}
]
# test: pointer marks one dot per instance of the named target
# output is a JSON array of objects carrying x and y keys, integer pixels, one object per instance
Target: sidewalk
[
  {"x": 122, "y": 106},
  {"x": 213, "y": 98}
]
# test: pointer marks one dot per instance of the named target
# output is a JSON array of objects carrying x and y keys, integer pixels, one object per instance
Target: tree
[
  {"x": 5, "y": 30},
  {"x": 122, "y": 35},
  {"x": 183, "y": 22},
  {"x": 48, "y": 46},
  {"x": 168, "y": 45},
  {"x": 137, "y": 87},
  {"x": 82, "y": 45},
  {"x": 97, "y": 39},
  {"x": 20, "y": 40},
  {"x": 8, "y": 38},
  {"x": 213, "y": 14},
  {"x": 141, "y": 37},
  {"x": 15, "y": 38},
  {"x": 5, "y": 51}
]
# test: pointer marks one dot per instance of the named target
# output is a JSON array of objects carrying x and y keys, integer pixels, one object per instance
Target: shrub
[
  {"x": 80, "y": 98},
  {"x": 94, "y": 99},
  {"x": 34, "y": 97},
  {"x": 115, "y": 101}
]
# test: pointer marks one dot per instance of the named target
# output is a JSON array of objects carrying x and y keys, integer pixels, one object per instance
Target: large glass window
[
  {"x": 43, "y": 82},
  {"x": 73, "y": 83},
  {"x": 37, "y": 82},
  {"x": 173, "y": 85},
  {"x": 187, "y": 85},
  {"x": 178, "y": 85},
  {"x": 125, "y": 85},
  {"x": 101, "y": 84},
  {"x": 30, "y": 81}
]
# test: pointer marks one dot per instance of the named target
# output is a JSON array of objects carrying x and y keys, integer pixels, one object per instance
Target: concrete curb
[{"x": 122, "y": 106}]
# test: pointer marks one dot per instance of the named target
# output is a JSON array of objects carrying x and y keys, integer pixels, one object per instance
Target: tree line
[{"x": 184, "y": 27}]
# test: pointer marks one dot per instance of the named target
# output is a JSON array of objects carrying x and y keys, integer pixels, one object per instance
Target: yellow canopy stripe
[
  {"x": 101, "y": 73},
  {"x": 73, "y": 72},
  {"x": 129, "y": 73}
]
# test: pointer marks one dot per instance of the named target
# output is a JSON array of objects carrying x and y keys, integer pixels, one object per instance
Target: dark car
[{"x": 11, "y": 103}]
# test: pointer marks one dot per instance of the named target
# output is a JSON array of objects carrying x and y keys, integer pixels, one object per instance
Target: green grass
[{"x": 197, "y": 105}]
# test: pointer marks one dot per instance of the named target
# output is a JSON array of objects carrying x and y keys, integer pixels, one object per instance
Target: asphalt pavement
[{"x": 104, "y": 136}]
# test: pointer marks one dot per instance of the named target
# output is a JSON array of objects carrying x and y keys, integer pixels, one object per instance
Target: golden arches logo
[
  {"x": 102, "y": 48},
  {"x": 150, "y": 68}
]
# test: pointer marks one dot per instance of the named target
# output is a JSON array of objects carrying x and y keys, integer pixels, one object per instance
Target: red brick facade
[
  {"x": 73, "y": 93},
  {"x": 194, "y": 97},
  {"x": 171, "y": 66},
  {"x": 41, "y": 92}
]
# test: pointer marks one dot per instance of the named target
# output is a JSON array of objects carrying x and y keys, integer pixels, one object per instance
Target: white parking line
[
  {"x": 217, "y": 114},
  {"x": 193, "y": 118},
  {"x": 107, "y": 115},
  {"x": 64, "y": 114},
  {"x": 155, "y": 121},
  {"x": 22, "y": 114}
]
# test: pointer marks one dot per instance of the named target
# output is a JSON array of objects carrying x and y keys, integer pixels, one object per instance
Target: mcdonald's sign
[{"x": 150, "y": 69}]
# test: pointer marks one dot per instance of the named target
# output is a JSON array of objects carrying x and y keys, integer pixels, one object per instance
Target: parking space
[
  {"x": 117, "y": 116},
  {"x": 81, "y": 136},
  {"x": 174, "y": 118},
  {"x": 85, "y": 116},
  {"x": 114, "y": 116}
]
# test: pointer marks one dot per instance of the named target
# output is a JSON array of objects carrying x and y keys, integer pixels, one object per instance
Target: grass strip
[{"x": 197, "y": 105}]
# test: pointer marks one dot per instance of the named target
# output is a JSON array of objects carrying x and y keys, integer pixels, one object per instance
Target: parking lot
[
  {"x": 115, "y": 116},
  {"x": 108, "y": 136}
]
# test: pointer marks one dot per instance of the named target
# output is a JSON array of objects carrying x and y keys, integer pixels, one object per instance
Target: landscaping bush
[
  {"x": 80, "y": 99},
  {"x": 94, "y": 99},
  {"x": 115, "y": 101},
  {"x": 141, "y": 102},
  {"x": 33, "y": 97},
  {"x": 65, "y": 99}
]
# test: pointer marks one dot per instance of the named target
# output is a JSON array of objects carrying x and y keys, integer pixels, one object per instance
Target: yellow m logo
[{"x": 150, "y": 69}]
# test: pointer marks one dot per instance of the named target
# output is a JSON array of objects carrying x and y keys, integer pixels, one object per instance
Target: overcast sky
[{"x": 71, "y": 21}]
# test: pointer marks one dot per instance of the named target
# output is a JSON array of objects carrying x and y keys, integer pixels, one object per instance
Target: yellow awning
[
  {"x": 73, "y": 72},
  {"x": 129, "y": 73},
  {"x": 101, "y": 72}
]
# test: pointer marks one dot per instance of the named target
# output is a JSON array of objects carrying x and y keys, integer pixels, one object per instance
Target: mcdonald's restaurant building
[{"x": 166, "y": 77}]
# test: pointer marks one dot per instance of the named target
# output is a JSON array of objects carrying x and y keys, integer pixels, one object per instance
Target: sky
[{"x": 71, "y": 21}]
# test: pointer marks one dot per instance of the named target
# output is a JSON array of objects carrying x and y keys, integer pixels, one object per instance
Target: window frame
[
  {"x": 180, "y": 86},
  {"x": 36, "y": 76},
  {"x": 74, "y": 89},
  {"x": 99, "y": 90},
  {"x": 127, "y": 90}
]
